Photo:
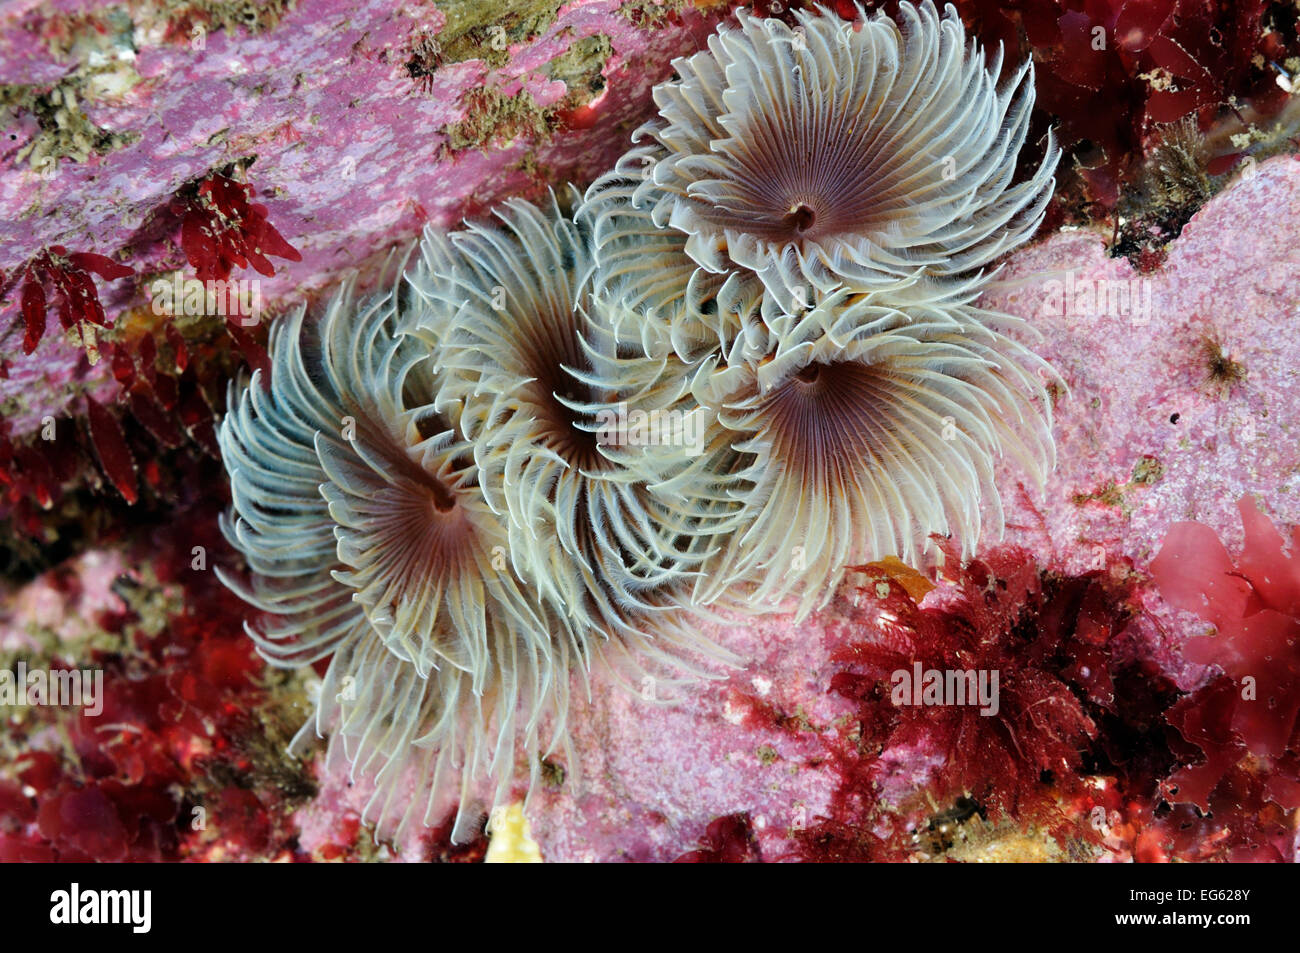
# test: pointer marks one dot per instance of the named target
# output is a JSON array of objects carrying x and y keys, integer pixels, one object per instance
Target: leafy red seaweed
[
  {"x": 111, "y": 449},
  {"x": 727, "y": 840},
  {"x": 1247, "y": 721},
  {"x": 1150, "y": 62},
  {"x": 68, "y": 276},
  {"x": 222, "y": 229}
]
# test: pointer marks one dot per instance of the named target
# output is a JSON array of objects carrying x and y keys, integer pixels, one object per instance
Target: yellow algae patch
[{"x": 511, "y": 841}]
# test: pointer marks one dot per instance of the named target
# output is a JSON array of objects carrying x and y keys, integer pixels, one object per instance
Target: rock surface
[{"x": 1181, "y": 397}]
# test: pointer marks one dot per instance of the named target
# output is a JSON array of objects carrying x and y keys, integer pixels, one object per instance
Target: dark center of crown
[
  {"x": 809, "y": 374},
  {"x": 800, "y": 218},
  {"x": 442, "y": 498}
]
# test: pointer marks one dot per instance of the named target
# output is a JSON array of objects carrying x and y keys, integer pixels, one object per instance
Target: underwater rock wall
[{"x": 293, "y": 144}]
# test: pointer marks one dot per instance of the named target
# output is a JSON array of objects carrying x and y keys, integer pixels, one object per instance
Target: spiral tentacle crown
[{"x": 753, "y": 356}]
